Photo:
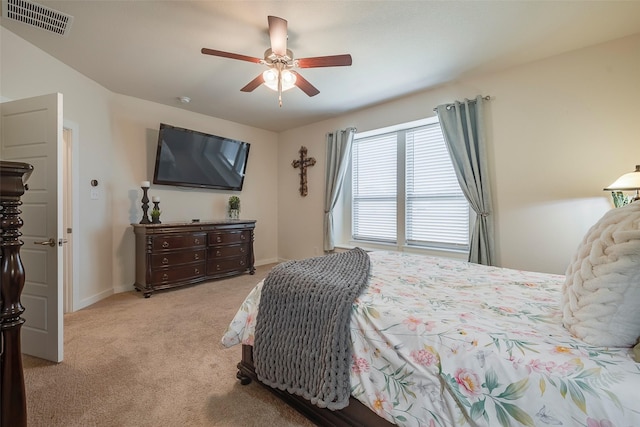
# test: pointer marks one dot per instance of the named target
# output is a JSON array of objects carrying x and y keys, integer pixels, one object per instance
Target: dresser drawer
[
  {"x": 180, "y": 254},
  {"x": 179, "y": 241},
  {"x": 169, "y": 259},
  {"x": 217, "y": 266},
  {"x": 176, "y": 274},
  {"x": 228, "y": 251},
  {"x": 228, "y": 237}
]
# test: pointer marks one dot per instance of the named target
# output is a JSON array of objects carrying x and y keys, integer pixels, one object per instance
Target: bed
[{"x": 442, "y": 342}]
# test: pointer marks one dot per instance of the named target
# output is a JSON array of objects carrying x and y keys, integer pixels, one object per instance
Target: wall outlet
[{"x": 94, "y": 194}]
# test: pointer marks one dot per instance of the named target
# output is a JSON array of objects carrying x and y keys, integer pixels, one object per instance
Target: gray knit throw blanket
[{"x": 302, "y": 340}]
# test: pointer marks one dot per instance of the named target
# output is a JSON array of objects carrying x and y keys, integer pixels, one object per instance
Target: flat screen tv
[{"x": 188, "y": 158}]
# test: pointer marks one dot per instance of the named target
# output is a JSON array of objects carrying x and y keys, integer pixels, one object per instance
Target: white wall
[{"x": 559, "y": 131}]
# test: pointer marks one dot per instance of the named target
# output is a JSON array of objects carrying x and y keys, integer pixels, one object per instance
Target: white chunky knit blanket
[
  {"x": 302, "y": 338},
  {"x": 601, "y": 295}
]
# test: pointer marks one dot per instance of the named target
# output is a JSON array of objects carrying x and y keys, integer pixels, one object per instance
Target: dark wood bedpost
[{"x": 13, "y": 404}]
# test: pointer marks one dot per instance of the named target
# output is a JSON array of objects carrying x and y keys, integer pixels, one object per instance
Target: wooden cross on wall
[{"x": 303, "y": 163}]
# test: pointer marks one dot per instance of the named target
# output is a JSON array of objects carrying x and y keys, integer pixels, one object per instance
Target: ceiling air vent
[{"x": 37, "y": 15}]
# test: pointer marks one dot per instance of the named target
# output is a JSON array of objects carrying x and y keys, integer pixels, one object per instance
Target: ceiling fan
[{"x": 279, "y": 60}]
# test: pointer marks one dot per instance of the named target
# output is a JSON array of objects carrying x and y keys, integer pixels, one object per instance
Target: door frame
[{"x": 71, "y": 290}]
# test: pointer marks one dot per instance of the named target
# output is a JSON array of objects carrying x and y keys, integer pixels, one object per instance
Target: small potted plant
[
  {"x": 234, "y": 207},
  {"x": 155, "y": 216}
]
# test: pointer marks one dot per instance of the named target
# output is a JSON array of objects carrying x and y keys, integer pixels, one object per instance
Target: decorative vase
[
  {"x": 234, "y": 213},
  {"x": 619, "y": 199}
]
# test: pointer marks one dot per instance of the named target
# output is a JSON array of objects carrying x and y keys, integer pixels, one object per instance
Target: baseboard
[
  {"x": 123, "y": 288},
  {"x": 266, "y": 261},
  {"x": 94, "y": 299}
]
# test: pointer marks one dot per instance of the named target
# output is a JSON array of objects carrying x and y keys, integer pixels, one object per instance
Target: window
[{"x": 404, "y": 190}]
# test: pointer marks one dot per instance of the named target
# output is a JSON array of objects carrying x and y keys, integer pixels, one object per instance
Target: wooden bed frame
[{"x": 356, "y": 414}]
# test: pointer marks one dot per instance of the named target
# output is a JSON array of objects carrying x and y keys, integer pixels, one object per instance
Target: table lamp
[{"x": 627, "y": 182}]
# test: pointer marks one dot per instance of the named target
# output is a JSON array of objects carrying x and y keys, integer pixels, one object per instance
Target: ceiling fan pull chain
[{"x": 280, "y": 84}]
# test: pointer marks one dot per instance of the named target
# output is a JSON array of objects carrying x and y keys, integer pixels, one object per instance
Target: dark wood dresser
[{"x": 178, "y": 254}]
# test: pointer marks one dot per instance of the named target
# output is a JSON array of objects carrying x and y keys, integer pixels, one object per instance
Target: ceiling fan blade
[
  {"x": 305, "y": 86},
  {"x": 278, "y": 35},
  {"x": 325, "y": 61},
  {"x": 250, "y": 87},
  {"x": 230, "y": 55}
]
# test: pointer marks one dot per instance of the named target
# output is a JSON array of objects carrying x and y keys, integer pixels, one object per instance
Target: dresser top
[{"x": 197, "y": 223}]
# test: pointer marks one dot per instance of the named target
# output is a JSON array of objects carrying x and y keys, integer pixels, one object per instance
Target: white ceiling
[{"x": 151, "y": 49}]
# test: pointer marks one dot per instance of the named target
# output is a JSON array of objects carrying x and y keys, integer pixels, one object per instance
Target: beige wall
[
  {"x": 27, "y": 72},
  {"x": 135, "y": 135},
  {"x": 559, "y": 131},
  {"x": 116, "y": 143}
]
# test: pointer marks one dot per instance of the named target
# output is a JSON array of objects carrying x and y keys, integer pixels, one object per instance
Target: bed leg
[{"x": 244, "y": 379}]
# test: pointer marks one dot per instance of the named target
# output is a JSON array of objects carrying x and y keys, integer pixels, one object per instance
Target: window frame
[{"x": 344, "y": 208}]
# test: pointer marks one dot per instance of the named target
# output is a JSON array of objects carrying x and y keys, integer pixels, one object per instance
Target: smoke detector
[{"x": 37, "y": 15}]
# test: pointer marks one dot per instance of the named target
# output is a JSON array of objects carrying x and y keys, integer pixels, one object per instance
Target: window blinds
[
  {"x": 374, "y": 193},
  {"x": 436, "y": 213}
]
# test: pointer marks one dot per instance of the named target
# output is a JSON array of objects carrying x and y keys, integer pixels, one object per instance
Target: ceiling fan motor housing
[{"x": 270, "y": 57}]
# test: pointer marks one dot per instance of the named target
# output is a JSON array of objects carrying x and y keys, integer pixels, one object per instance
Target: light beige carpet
[{"x": 131, "y": 361}]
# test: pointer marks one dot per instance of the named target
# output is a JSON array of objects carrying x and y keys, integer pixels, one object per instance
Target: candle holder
[
  {"x": 145, "y": 206},
  {"x": 155, "y": 213}
]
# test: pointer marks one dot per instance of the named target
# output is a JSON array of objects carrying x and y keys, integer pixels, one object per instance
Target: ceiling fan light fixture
[
  {"x": 288, "y": 79},
  {"x": 270, "y": 77},
  {"x": 279, "y": 60}
]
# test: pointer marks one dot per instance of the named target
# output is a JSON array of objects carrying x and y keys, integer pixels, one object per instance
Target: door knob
[{"x": 51, "y": 242}]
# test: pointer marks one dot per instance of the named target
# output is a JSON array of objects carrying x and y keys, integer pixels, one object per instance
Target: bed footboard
[{"x": 356, "y": 414}]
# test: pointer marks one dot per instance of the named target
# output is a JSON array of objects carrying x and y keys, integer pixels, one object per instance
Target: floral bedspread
[{"x": 440, "y": 342}]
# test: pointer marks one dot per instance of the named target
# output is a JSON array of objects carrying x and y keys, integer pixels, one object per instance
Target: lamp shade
[{"x": 627, "y": 182}]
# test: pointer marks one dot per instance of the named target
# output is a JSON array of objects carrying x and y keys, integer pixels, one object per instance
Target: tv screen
[{"x": 188, "y": 158}]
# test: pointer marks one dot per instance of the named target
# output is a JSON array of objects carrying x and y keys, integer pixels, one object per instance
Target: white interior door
[{"x": 31, "y": 132}]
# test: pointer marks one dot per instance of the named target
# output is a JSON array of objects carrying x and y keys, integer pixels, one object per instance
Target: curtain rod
[{"x": 486, "y": 98}]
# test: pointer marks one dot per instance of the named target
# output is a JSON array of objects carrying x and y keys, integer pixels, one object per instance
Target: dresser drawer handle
[
  {"x": 242, "y": 262},
  {"x": 165, "y": 244},
  {"x": 218, "y": 267},
  {"x": 218, "y": 239},
  {"x": 242, "y": 237},
  {"x": 196, "y": 241},
  {"x": 165, "y": 261},
  {"x": 196, "y": 256},
  {"x": 242, "y": 250},
  {"x": 196, "y": 271},
  {"x": 165, "y": 277}
]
